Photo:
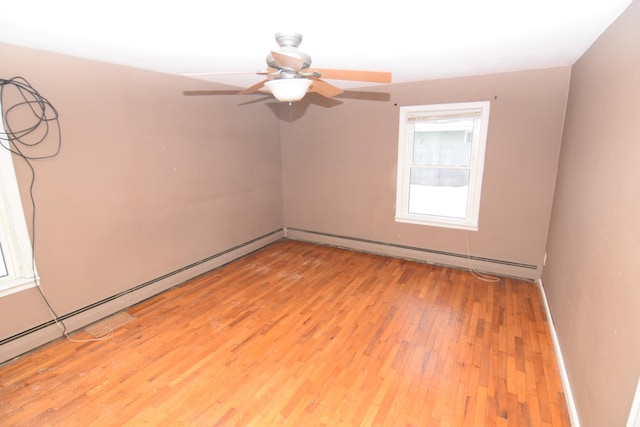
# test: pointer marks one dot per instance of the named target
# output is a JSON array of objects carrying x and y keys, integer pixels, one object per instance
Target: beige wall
[
  {"x": 592, "y": 277},
  {"x": 148, "y": 180},
  {"x": 339, "y": 166}
]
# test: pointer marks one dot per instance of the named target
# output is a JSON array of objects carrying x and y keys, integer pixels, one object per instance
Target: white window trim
[
  {"x": 13, "y": 231},
  {"x": 405, "y": 145}
]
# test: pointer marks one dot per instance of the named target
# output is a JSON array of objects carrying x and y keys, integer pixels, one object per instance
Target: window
[
  {"x": 16, "y": 266},
  {"x": 440, "y": 164}
]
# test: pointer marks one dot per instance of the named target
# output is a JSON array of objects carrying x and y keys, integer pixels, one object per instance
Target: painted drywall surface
[
  {"x": 339, "y": 164},
  {"x": 148, "y": 180},
  {"x": 592, "y": 278}
]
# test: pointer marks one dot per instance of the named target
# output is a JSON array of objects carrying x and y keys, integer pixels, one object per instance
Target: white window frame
[
  {"x": 14, "y": 235},
  {"x": 480, "y": 110}
]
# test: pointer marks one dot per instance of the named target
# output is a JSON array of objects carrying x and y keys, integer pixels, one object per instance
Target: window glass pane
[
  {"x": 442, "y": 142},
  {"x": 439, "y": 192}
]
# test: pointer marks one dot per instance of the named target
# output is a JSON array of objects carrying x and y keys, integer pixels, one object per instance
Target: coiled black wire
[{"x": 35, "y": 132}]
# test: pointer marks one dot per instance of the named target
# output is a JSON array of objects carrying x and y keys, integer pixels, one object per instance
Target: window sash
[{"x": 410, "y": 117}]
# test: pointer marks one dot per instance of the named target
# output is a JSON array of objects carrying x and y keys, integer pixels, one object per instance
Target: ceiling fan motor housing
[{"x": 289, "y": 46}]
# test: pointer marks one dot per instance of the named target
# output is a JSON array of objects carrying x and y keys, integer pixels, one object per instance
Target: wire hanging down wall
[{"x": 31, "y": 132}]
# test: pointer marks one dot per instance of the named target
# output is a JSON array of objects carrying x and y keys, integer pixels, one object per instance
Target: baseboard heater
[
  {"x": 100, "y": 309},
  {"x": 486, "y": 265},
  {"x": 41, "y": 334}
]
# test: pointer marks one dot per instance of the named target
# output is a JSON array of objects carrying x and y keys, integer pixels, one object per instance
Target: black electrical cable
[{"x": 21, "y": 103}]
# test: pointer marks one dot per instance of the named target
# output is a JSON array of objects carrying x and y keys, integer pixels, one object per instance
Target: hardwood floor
[{"x": 299, "y": 334}]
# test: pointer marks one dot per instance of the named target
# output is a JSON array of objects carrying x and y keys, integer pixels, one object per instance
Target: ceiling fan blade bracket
[{"x": 309, "y": 75}]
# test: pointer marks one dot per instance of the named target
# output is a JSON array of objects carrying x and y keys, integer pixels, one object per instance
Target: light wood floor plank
[{"x": 299, "y": 334}]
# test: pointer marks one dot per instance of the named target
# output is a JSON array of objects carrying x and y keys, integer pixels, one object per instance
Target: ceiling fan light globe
[{"x": 288, "y": 90}]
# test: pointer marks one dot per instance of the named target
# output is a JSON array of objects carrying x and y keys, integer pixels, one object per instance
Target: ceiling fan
[{"x": 289, "y": 76}]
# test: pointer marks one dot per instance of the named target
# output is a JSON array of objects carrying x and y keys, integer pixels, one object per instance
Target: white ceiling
[{"x": 414, "y": 39}]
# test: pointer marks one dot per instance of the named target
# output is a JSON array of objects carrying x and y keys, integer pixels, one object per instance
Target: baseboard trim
[
  {"x": 431, "y": 256},
  {"x": 42, "y": 334},
  {"x": 566, "y": 385}
]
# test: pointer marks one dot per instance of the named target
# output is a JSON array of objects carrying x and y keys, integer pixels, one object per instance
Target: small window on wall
[
  {"x": 440, "y": 164},
  {"x": 16, "y": 262}
]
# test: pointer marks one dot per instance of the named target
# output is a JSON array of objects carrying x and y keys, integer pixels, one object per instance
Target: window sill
[
  {"x": 431, "y": 222},
  {"x": 15, "y": 285}
]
